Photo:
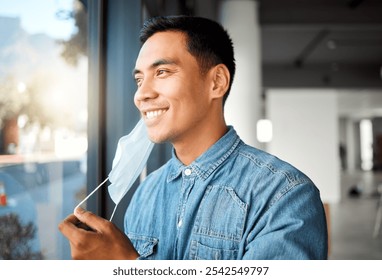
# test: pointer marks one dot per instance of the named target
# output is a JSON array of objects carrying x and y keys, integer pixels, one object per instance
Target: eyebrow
[{"x": 157, "y": 63}]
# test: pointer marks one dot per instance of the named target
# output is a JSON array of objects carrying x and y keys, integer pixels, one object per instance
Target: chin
[
  {"x": 157, "y": 139},
  {"x": 161, "y": 134}
]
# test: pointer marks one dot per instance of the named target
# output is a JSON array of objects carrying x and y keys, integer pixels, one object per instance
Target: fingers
[
  {"x": 105, "y": 242},
  {"x": 89, "y": 219},
  {"x": 68, "y": 226},
  {"x": 68, "y": 223}
]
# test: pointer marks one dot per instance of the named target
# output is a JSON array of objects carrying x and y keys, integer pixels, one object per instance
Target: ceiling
[
  {"x": 308, "y": 43},
  {"x": 321, "y": 43},
  {"x": 329, "y": 44},
  {"x": 325, "y": 44}
]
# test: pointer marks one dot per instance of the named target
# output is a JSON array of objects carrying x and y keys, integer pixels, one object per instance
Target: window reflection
[{"x": 43, "y": 124}]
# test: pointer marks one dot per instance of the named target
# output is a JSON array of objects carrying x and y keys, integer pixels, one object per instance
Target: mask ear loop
[
  {"x": 89, "y": 195},
  {"x": 112, "y": 215}
]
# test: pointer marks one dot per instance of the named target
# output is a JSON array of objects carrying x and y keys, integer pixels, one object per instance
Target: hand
[{"x": 94, "y": 238}]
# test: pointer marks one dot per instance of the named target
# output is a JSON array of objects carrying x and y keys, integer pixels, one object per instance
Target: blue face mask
[{"x": 130, "y": 159}]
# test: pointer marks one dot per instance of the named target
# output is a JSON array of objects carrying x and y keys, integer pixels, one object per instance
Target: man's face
[{"x": 172, "y": 95}]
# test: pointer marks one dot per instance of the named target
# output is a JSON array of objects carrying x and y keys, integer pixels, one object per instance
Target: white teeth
[{"x": 154, "y": 114}]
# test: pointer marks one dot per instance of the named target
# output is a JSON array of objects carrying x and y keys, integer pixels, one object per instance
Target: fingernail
[{"x": 79, "y": 210}]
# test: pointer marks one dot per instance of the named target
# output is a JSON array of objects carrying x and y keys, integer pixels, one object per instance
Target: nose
[{"x": 145, "y": 92}]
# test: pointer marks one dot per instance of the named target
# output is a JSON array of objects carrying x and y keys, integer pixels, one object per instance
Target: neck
[{"x": 195, "y": 145}]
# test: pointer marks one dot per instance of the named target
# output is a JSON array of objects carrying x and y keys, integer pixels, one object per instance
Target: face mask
[{"x": 130, "y": 159}]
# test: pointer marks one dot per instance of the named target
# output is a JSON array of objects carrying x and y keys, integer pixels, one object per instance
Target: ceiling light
[{"x": 331, "y": 45}]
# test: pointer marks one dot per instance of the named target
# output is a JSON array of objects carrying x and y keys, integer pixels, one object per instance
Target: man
[{"x": 216, "y": 198}]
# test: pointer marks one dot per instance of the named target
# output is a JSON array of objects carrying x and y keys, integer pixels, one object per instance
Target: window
[{"x": 43, "y": 124}]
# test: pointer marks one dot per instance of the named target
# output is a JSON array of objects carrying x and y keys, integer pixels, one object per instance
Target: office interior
[{"x": 308, "y": 89}]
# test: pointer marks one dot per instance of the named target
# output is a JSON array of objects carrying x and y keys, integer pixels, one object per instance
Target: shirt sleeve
[{"x": 293, "y": 227}]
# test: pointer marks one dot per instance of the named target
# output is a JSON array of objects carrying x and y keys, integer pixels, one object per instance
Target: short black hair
[{"x": 206, "y": 40}]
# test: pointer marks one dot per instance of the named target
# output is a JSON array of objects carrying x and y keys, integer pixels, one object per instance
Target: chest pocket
[
  {"x": 144, "y": 245},
  {"x": 219, "y": 225}
]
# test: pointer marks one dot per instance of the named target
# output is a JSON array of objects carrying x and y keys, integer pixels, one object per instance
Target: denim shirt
[{"x": 233, "y": 202}]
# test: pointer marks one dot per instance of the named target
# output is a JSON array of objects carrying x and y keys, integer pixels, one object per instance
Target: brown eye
[
  {"x": 161, "y": 72},
  {"x": 138, "y": 81}
]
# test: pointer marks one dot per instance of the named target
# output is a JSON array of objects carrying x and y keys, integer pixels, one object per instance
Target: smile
[{"x": 154, "y": 114}]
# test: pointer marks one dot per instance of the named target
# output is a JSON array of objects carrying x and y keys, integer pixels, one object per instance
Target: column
[{"x": 243, "y": 107}]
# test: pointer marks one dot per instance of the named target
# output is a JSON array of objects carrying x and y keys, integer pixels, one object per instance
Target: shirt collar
[{"x": 206, "y": 163}]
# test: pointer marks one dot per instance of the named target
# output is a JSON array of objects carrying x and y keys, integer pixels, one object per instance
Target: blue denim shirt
[{"x": 232, "y": 202}]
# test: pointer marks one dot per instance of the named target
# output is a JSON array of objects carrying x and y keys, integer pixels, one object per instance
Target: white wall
[{"x": 305, "y": 124}]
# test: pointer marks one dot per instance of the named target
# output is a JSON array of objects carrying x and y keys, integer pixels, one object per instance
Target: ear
[{"x": 220, "y": 79}]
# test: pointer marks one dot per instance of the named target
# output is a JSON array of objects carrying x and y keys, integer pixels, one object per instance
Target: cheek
[
  {"x": 174, "y": 94},
  {"x": 171, "y": 87},
  {"x": 186, "y": 95},
  {"x": 136, "y": 100}
]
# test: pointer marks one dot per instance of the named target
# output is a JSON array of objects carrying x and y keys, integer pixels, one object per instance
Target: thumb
[{"x": 93, "y": 221}]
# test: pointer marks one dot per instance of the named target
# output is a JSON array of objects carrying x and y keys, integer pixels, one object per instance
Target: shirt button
[
  {"x": 187, "y": 172},
  {"x": 180, "y": 223}
]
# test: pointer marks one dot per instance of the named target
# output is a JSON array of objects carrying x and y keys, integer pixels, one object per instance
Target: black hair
[{"x": 206, "y": 40}]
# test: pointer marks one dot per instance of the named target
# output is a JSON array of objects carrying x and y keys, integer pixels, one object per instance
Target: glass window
[{"x": 43, "y": 124}]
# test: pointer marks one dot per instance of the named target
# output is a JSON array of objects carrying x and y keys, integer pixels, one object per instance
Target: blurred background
[{"x": 308, "y": 89}]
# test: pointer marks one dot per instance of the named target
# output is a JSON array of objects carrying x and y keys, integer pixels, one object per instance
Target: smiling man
[
  {"x": 216, "y": 198},
  {"x": 177, "y": 99}
]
